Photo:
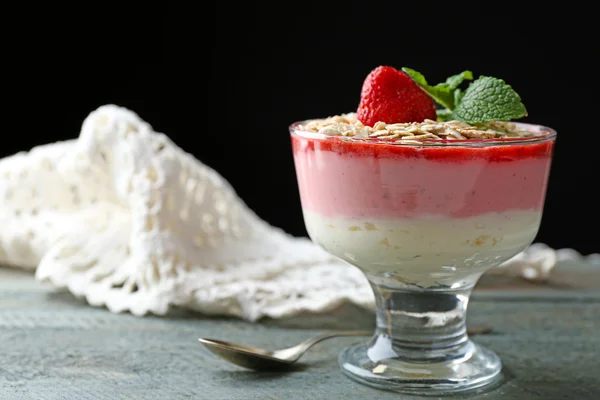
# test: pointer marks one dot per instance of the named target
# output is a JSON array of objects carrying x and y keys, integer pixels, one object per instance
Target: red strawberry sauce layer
[{"x": 353, "y": 179}]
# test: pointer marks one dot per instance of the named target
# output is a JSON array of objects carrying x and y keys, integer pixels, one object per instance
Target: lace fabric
[{"x": 125, "y": 218}]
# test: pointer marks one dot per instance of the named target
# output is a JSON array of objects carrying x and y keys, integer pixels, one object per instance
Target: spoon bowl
[
  {"x": 264, "y": 360},
  {"x": 245, "y": 356}
]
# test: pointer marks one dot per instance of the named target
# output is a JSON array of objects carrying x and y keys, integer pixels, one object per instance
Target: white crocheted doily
[{"x": 128, "y": 220}]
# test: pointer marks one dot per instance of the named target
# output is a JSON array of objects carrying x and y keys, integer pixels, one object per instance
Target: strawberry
[{"x": 391, "y": 96}]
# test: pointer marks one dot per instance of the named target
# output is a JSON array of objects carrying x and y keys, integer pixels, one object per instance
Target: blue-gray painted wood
[{"x": 53, "y": 346}]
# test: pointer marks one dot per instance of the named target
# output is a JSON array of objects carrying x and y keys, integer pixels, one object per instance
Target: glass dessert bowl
[{"x": 423, "y": 220}]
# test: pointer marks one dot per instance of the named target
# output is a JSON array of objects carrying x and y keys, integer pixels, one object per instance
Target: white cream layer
[{"x": 429, "y": 249}]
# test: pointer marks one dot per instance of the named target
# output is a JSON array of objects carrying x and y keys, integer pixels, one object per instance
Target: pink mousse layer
[{"x": 340, "y": 178}]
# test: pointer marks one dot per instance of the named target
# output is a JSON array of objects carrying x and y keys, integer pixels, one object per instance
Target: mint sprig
[
  {"x": 485, "y": 99},
  {"x": 443, "y": 93}
]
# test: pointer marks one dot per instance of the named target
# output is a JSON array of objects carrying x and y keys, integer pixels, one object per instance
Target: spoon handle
[
  {"x": 302, "y": 347},
  {"x": 326, "y": 335}
]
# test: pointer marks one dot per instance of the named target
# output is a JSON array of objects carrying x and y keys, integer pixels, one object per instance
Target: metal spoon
[{"x": 265, "y": 360}]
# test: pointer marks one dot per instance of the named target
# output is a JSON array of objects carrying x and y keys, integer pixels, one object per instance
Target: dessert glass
[{"x": 423, "y": 222}]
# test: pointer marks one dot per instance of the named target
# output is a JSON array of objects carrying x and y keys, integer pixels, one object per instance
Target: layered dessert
[
  {"x": 401, "y": 189},
  {"x": 423, "y": 188}
]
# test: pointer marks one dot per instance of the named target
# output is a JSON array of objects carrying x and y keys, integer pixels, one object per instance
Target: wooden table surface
[{"x": 54, "y": 346}]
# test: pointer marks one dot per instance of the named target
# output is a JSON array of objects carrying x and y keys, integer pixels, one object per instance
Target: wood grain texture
[{"x": 54, "y": 346}]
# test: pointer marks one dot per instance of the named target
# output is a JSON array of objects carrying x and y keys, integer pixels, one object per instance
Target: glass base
[{"x": 376, "y": 364}]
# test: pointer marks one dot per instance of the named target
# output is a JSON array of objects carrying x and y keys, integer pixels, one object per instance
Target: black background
[{"x": 225, "y": 80}]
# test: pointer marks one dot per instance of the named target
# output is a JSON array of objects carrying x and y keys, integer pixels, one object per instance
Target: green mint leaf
[
  {"x": 489, "y": 99},
  {"x": 486, "y": 99},
  {"x": 443, "y": 114},
  {"x": 443, "y": 93},
  {"x": 416, "y": 76},
  {"x": 458, "y": 95},
  {"x": 455, "y": 80}
]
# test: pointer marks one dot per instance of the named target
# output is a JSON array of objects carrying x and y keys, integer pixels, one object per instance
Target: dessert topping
[
  {"x": 391, "y": 96},
  {"x": 349, "y": 125},
  {"x": 485, "y": 99}
]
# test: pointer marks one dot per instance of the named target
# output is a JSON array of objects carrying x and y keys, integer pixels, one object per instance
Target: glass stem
[{"x": 420, "y": 324}]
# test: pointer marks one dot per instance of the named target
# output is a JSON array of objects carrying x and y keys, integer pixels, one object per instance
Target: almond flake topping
[{"x": 415, "y": 132}]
